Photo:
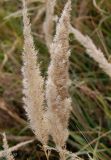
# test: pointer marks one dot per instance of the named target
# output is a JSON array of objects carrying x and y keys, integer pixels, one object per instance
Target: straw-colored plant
[
  {"x": 49, "y": 21},
  {"x": 58, "y": 100},
  {"x": 7, "y": 152},
  {"x": 51, "y": 120},
  {"x": 92, "y": 50},
  {"x": 54, "y": 120},
  {"x": 33, "y": 84}
]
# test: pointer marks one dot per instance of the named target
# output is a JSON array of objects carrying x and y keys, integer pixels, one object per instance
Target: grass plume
[
  {"x": 33, "y": 84},
  {"x": 49, "y": 23},
  {"x": 59, "y": 103},
  {"x": 7, "y": 153},
  {"x": 92, "y": 51}
]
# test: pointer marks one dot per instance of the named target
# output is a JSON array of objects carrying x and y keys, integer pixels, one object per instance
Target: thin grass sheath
[
  {"x": 48, "y": 26},
  {"x": 92, "y": 50},
  {"x": 58, "y": 100},
  {"x": 33, "y": 84}
]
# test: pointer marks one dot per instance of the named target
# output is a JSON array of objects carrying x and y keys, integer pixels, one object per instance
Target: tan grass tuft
[
  {"x": 59, "y": 103},
  {"x": 49, "y": 21},
  {"x": 92, "y": 51},
  {"x": 7, "y": 153},
  {"x": 33, "y": 84}
]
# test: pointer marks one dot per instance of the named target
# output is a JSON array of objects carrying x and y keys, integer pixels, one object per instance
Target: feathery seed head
[
  {"x": 92, "y": 50},
  {"x": 8, "y": 154},
  {"x": 57, "y": 90},
  {"x": 49, "y": 24},
  {"x": 33, "y": 84}
]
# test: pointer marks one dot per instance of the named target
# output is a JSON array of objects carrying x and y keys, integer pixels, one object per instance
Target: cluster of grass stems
[{"x": 52, "y": 103}]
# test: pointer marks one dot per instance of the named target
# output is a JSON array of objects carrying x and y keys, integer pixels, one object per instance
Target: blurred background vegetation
[{"x": 90, "y": 123}]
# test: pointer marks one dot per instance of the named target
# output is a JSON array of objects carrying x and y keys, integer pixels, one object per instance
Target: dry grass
[{"x": 90, "y": 122}]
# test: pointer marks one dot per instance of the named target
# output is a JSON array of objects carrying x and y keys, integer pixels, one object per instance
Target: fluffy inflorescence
[
  {"x": 92, "y": 50},
  {"x": 33, "y": 84},
  {"x": 49, "y": 23},
  {"x": 7, "y": 154},
  {"x": 54, "y": 120},
  {"x": 59, "y": 103}
]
